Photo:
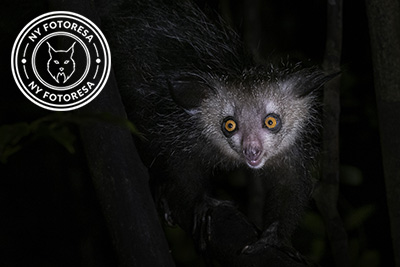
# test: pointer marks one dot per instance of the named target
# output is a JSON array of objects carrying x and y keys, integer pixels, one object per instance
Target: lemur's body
[{"x": 203, "y": 105}]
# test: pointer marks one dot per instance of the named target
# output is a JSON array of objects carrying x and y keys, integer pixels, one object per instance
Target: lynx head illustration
[{"x": 61, "y": 65}]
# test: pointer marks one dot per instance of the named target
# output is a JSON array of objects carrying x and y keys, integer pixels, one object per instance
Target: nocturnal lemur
[{"x": 202, "y": 105}]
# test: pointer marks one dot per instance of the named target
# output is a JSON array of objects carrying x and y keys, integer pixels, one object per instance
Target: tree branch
[{"x": 119, "y": 177}]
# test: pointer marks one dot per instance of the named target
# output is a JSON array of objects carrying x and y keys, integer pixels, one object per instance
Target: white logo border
[{"x": 96, "y": 31}]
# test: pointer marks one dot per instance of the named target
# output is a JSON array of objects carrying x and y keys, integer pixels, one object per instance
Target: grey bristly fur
[{"x": 181, "y": 77}]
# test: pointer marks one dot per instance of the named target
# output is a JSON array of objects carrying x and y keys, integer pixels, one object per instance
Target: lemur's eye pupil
[
  {"x": 229, "y": 126},
  {"x": 272, "y": 122}
]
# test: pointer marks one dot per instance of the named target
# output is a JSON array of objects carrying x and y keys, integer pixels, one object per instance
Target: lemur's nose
[{"x": 61, "y": 68}]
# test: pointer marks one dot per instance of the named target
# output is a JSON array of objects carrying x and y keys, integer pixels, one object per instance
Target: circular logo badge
[{"x": 61, "y": 61}]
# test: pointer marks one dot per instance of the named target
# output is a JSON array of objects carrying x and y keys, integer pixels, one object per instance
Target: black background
[{"x": 49, "y": 214}]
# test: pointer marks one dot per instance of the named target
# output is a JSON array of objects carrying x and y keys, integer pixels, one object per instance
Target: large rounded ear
[
  {"x": 309, "y": 80},
  {"x": 188, "y": 92}
]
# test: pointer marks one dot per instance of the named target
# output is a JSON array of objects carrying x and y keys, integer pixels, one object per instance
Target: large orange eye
[
  {"x": 229, "y": 126},
  {"x": 272, "y": 122}
]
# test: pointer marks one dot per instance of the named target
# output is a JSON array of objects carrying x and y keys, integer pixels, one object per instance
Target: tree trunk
[
  {"x": 326, "y": 194},
  {"x": 384, "y": 26},
  {"x": 119, "y": 177}
]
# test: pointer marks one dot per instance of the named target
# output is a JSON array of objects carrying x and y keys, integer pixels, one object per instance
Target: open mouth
[
  {"x": 255, "y": 163},
  {"x": 253, "y": 153},
  {"x": 63, "y": 77}
]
